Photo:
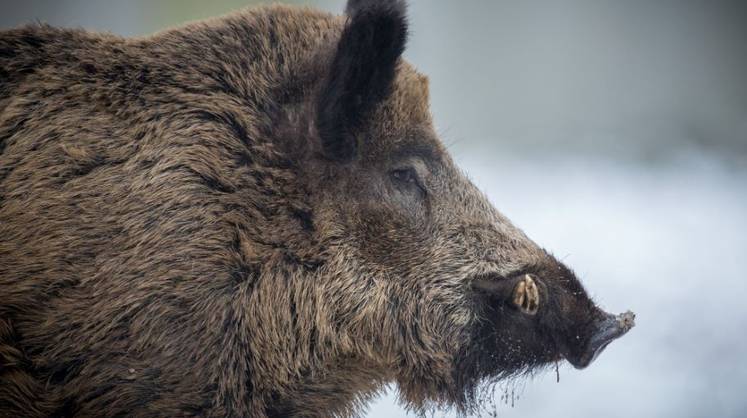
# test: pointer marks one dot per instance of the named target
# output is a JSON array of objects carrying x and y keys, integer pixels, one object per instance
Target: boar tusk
[{"x": 526, "y": 295}]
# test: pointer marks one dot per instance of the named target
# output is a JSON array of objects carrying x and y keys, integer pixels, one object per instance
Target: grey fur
[{"x": 173, "y": 241}]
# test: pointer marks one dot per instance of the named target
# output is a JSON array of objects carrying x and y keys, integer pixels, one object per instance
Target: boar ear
[{"x": 361, "y": 72}]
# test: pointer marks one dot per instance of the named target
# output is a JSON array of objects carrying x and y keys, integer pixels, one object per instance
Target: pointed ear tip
[
  {"x": 389, "y": 15},
  {"x": 398, "y": 7},
  {"x": 363, "y": 67}
]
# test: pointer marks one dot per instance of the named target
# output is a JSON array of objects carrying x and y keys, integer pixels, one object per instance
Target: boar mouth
[
  {"x": 522, "y": 290},
  {"x": 496, "y": 284},
  {"x": 487, "y": 282},
  {"x": 512, "y": 290},
  {"x": 608, "y": 329}
]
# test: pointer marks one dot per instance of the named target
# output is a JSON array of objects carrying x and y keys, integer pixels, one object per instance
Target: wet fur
[{"x": 206, "y": 231}]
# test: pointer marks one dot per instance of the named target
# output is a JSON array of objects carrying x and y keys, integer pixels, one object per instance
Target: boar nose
[{"x": 607, "y": 329}]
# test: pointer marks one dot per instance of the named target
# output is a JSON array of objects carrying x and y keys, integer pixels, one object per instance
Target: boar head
[{"x": 424, "y": 276}]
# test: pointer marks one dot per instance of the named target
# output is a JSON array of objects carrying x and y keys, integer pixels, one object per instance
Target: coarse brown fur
[{"x": 204, "y": 222}]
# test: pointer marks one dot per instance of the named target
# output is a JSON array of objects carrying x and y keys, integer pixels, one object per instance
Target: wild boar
[{"x": 253, "y": 216}]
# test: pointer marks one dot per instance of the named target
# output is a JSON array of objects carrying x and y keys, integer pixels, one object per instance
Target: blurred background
[{"x": 615, "y": 134}]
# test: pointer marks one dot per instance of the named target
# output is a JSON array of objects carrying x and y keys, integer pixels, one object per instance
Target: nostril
[{"x": 607, "y": 330}]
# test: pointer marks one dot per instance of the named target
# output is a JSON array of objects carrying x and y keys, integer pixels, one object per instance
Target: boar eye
[
  {"x": 407, "y": 177},
  {"x": 404, "y": 175}
]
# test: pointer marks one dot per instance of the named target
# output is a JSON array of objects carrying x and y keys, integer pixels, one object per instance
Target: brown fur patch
[{"x": 173, "y": 243}]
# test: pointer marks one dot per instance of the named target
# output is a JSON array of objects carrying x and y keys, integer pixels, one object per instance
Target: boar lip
[
  {"x": 495, "y": 283},
  {"x": 488, "y": 283},
  {"x": 610, "y": 328}
]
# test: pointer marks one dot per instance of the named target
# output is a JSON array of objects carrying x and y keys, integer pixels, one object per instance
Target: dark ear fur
[{"x": 361, "y": 73}]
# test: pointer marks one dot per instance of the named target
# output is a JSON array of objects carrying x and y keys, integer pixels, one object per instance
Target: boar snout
[{"x": 608, "y": 328}]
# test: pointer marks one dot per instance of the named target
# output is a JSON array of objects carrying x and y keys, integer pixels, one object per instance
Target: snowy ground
[{"x": 668, "y": 241}]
